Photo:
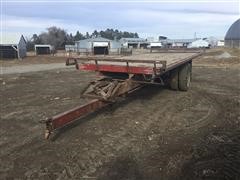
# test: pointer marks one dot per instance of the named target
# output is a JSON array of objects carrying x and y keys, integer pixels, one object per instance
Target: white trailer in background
[{"x": 155, "y": 44}]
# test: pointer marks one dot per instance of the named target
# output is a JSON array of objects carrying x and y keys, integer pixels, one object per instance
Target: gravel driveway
[{"x": 32, "y": 68}]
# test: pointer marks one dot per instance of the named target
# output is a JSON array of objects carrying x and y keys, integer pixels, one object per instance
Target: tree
[
  {"x": 35, "y": 38},
  {"x": 70, "y": 39},
  {"x": 136, "y": 35},
  {"x": 87, "y": 35},
  {"x": 30, "y": 44},
  {"x": 78, "y": 36},
  {"x": 59, "y": 37},
  {"x": 95, "y": 33},
  {"x": 54, "y": 36}
]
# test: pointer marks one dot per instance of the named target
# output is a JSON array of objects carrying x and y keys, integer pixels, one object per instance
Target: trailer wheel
[
  {"x": 184, "y": 77},
  {"x": 174, "y": 79}
]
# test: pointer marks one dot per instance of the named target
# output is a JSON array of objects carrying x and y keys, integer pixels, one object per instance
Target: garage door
[{"x": 100, "y": 48}]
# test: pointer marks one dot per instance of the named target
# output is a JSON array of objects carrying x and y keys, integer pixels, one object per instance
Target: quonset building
[{"x": 232, "y": 38}]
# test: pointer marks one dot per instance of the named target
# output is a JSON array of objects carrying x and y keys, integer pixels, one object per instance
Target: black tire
[
  {"x": 184, "y": 77},
  {"x": 174, "y": 79}
]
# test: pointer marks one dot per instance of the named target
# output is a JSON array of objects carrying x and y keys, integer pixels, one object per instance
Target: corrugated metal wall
[{"x": 232, "y": 43}]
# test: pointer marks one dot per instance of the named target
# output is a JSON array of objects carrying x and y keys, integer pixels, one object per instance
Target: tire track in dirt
[
  {"x": 110, "y": 141},
  {"x": 163, "y": 156}
]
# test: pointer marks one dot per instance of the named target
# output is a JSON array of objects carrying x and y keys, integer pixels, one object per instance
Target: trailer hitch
[
  {"x": 67, "y": 117},
  {"x": 49, "y": 128},
  {"x": 104, "y": 92}
]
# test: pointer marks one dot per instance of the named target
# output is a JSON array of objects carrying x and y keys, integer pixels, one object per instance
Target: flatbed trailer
[
  {"x": 122, "y": 75},
  {"x": 150, "y": 64}
]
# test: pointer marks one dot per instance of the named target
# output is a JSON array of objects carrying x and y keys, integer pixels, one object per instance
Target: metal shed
[
  {"x": 97, "y": 46},
  {"x": 200, "y": 43},
  {"x": 13, "y": 47},
  {"x": 43, "y": 49},
  {"x": 134, "y": 42},
  {"x": 180, "y": 43},
  {"x": 70, "y": 48}
]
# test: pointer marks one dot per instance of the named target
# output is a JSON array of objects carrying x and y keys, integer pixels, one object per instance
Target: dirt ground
[
  {"x": 41, "y": 59},
  {"x": 155, "y": 133}
]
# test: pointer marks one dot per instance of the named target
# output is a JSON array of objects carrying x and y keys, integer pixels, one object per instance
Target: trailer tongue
[
  {"x": 121, "y": 77},
  {"x": 103, "y": 91}
]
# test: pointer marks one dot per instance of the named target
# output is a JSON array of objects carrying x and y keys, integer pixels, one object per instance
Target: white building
[
  {"x": 220, "y": 43},
  {"x": 13, "y": 47},
  {"x": 70, "y": 48},
  {"x": 155, "y": 44},
  {"x": 43, "y": 49},
  {"x": 150, "y": 39},
  {"x": 176, "y": 43},
  {"x": 199, "y": 44},
  {"x": 98, "y": 45},
  {"x": 134, "y": 42}
]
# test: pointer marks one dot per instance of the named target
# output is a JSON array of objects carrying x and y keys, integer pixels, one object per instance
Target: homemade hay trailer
[{"x": 123, "y": 75}]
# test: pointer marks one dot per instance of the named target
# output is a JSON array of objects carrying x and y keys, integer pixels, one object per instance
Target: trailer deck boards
[
  {"x": 149, "y": 63},
  {"x": 168, "y": 57}
]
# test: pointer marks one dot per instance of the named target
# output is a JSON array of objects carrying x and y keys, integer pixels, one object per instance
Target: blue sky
[{"x": 174, "y": 19}]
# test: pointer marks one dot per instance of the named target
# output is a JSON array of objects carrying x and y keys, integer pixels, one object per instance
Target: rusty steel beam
[{"x": 69, "y": 116}]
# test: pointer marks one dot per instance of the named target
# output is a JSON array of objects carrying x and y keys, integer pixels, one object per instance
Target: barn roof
[
  {"x": 234, "y": 31},
  {"x": 11, "y": 39},
  {"x": 96, "y": 39},
  {"x": 178, "y": 40},
  {"x": 43, "y": 45},
  {"x": 132, "y": 40}
]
